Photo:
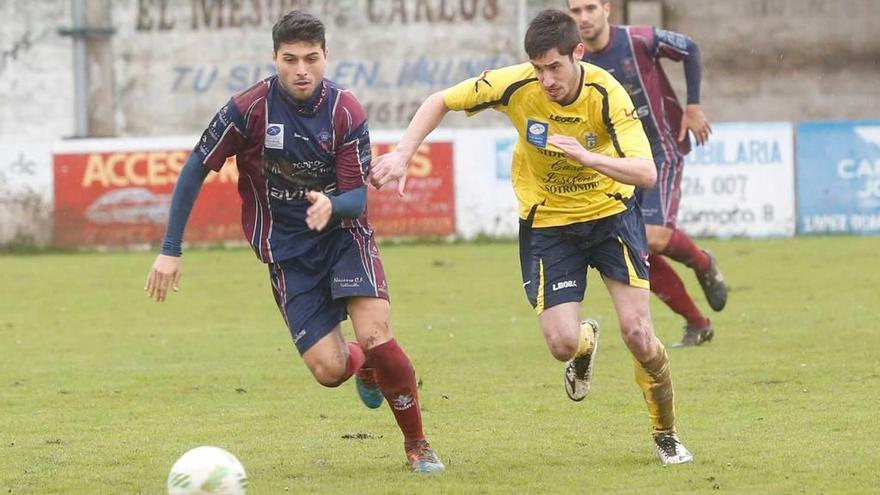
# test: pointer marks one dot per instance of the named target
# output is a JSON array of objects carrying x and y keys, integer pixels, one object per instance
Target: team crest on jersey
[
  {"x": 274, "y": 136},
  {"x": 324, "y": 140},
  {"x": 591, "y": 139},
  {"x": 536, "y": 133}
]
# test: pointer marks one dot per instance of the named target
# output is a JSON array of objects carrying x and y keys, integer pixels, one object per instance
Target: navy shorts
[
  {"x": 660, "y": 203},
  {"x": 310, "y": 290},
  {"x": 554, "y": 260}
]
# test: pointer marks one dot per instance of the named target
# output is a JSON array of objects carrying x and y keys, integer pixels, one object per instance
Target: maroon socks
[
  {"x": 682, "y": 249},
  {"x": 397, "y": 381},
  {"x": 667, "y": 285}
]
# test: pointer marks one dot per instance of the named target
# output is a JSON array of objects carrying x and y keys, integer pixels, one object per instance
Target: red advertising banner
[
  {"x": 428, "y": 208},
  {"x": 121, "y": 198}
]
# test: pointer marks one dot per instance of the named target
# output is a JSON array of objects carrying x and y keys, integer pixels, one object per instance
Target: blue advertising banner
[{"x": 838, "y": 177}]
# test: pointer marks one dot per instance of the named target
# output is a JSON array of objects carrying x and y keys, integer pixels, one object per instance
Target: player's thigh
[
  {"x": 553, "y": 267},
  {"x": 303, "y": 295},
  {"x": 632, "y": 305},
  {"x": 371, "y": 319}
]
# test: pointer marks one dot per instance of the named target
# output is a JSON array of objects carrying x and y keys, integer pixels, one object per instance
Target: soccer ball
[{"x": 207, "y": 471}]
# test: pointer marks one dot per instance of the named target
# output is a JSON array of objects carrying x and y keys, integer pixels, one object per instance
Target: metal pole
[
  {"x": 80, "y": 70},
  {"x": 522, "y": 21}
]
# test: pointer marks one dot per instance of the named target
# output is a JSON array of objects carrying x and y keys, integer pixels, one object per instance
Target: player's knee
[
  {"x": 329, "y": 373},
  {"x": 638, "y": 335},
  {"x": 561, "y": 346},
  {"x": 375, "y": 334}
]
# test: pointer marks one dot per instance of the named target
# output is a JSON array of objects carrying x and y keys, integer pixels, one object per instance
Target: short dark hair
[
  {"x": 298, "y": 26},
  {"x": 551, "y": 29}
]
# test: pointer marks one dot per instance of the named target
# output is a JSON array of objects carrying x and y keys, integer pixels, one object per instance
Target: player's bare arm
[
  {"x": 392, "y": 166},
  {"x": 639, "y": 172},
  {"x": 165, "y": 270}
]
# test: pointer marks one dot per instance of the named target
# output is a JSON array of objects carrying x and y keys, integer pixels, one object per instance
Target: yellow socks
[
  {"x": 656, "y": 382},
  {"x": 586, "y": 340}
]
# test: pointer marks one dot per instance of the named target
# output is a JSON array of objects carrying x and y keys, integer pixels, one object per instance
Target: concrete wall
[
  {"x": 187, "y": 58},
  {"x": 36, "y": 95},
  {"x": 784, "y": 59}
]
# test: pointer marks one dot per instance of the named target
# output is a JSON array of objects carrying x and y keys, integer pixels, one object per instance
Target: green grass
[{"x": 102, "y": 389}]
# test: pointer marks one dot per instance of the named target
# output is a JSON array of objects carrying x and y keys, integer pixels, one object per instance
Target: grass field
[{"x": 101, "y": 389}]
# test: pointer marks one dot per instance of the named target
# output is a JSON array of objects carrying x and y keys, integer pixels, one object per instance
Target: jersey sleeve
[
  {"x": 624, "y": 126},
  {"x": 353, "y": 152},
  {"x": 225, "y": 136},
  {"x": 492, "y": 89},
  {"x": 671, "y": 45}
]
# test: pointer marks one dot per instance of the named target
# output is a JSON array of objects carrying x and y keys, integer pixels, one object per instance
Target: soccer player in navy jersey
[
  {"x": 632, "y": 54},
  {"x": 302, "y": 148}
]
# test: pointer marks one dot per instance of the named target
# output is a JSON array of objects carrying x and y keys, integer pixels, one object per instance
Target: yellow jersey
[{"x": 602, "y": 118}]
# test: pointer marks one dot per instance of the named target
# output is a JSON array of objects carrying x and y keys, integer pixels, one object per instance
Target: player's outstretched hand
[
  {"x": 695, "y": 121},
  {"x": 166, "y": 270},
  {"x": 572, "y": 148},
  {"x": 387, "y": 168},
  {"x": 319, "y": 213}
]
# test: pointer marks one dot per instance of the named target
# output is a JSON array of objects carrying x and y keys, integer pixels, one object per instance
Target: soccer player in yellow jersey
[{"x": 580, "y": 154}]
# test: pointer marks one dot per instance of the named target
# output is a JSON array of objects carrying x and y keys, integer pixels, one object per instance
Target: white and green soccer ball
[{"x": 207, "y": 471}]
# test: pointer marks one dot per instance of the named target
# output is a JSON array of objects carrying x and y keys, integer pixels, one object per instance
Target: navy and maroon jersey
[
  {"x": 283, "y": 149},
  {"x": 632, "y": 56}
]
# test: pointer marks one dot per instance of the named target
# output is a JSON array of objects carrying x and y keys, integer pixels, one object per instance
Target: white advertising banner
[
  {"x": 741, "y": 183},
  {"x": 485, "y": 202}
]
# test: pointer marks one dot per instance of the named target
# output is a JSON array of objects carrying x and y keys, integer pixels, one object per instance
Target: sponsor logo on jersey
[
  {"x": 536, "y": 133},
  {"x": 629, "y": 67},
  {"x": 564, "y": 285},
  {"x": 565, "y": 120},
  {"x": 481, "y": 79},
  {"x": 274, "y": 136}
]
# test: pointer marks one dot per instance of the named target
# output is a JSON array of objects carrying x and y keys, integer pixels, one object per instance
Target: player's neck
[
  {"x": 576, "y": 86},
  {"x": 600, "y": 42}
]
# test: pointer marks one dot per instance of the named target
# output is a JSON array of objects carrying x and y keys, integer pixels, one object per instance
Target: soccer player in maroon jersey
[
  {"x": 632, "y": 54},
  {"x": 302, "y": 148}
]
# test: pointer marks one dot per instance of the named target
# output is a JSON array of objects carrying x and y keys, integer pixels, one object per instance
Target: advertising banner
[
  {"x": 838, "y": 177},
  {"x": 740, "y": 183},
  {"x": 428, "y": 208},
  {"x": 118, "y": 195},
  {"x": 121, "y": 198}
]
